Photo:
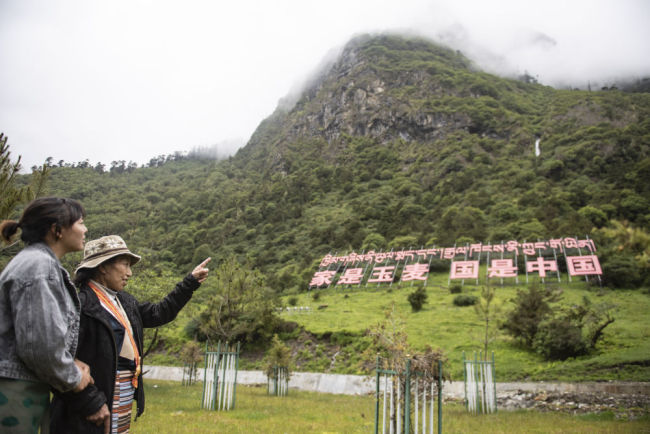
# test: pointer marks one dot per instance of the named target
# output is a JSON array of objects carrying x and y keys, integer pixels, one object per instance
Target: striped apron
[{"x": 122, "y": 402}]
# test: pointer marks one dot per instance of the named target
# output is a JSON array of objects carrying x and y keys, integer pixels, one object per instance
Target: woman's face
[
  {"x": 116, "y": 274},
  {"x": 73, "y": 237}
]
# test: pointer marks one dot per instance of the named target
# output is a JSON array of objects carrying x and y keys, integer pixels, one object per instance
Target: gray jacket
[{"x": 39, "y": 319}]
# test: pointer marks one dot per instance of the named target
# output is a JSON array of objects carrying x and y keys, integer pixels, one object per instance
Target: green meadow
[
  {"x": 622, "y": 354},
  {"x": 172, "y": 408}
]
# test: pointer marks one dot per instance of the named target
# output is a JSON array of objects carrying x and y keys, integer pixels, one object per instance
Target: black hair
[
  {"x": 84, "y": 275},
  {"x": 39, "y": 216}
]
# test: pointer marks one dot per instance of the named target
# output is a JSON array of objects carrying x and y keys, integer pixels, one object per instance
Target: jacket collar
[
  {"x": 43, "y": 247},
  {"x": 90, "y": 304}
]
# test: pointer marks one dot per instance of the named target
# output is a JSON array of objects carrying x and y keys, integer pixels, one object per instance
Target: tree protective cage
[
  {"x": 406, "y": 399},
  {"x": 480, "y": 387},
  {"x": 278, "y": 381},
  {"x": 220, "y": 377},
  {"x": 189, "y": 373}
]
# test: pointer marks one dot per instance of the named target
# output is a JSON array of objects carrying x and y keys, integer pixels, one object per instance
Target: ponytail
[{"x": 8, "y": 229}]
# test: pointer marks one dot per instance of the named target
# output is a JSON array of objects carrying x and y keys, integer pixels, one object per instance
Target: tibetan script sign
[{"x": 538, "y": 258}]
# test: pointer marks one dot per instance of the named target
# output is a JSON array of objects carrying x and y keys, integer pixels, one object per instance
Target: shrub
[
  {"x": 305, "y": 355},
  {"x": 239, "y": 288},
  {"x": 559, "y": 339},
  {"x": 193, "y": 330},
  {"x": 279, "y": 354},
  {"x": 595, "y": 216},
  {"x": 417, "y": 298},
  {"x": 191, "y": 352},
  {"x": 292, "y": 301},
  {"x": 621, "y": 272},
  {"x": 315, "y": 295},
  {"x": 557, "y": 334},
  {"x": 465, "y": 300},
  {"x": 531, "y": 308},
  {"x": 439, "y": 266},
  {"x": 373, "y": 241},
  {"x": 456, "y": 288}
]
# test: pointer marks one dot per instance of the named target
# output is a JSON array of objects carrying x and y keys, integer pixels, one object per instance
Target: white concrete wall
[
  {"x": 308, "y": 381},
  {"x": 362, "y": 385}
]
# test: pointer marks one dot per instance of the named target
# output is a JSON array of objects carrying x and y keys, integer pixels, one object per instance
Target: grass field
[
  {"x": 172, "y": 408},
  {"x": 623, "y": 354}
]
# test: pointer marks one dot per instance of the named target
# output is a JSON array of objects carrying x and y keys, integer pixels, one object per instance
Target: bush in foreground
[
  {"x": 417, "y": 299},
  {"x": 465, "y": 300}
]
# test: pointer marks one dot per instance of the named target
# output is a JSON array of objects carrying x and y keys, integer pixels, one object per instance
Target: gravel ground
[{"x": 623, "y": 406}]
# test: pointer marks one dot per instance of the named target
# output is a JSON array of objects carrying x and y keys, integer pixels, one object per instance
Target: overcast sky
[{"x": 132, "y": 79}]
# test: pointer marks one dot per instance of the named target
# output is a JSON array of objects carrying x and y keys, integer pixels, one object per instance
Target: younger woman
[{"x": 39, "y": 314}]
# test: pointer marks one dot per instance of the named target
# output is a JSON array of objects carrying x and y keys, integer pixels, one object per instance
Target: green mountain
[
  {"x": 404, "y": 138},
  {"x": 398, "y": 143}
]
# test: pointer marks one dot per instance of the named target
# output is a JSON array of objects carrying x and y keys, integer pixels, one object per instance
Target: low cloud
[{"x": 87, "y": 80}]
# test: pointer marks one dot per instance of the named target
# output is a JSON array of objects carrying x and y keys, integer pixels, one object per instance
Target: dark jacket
[{"x": 98, "y": 347}]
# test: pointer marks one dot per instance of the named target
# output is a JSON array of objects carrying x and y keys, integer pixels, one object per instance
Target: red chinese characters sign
[
  {"x": 583, "y": 265},
  {"x": 322, "y": 278},
  {"x": 382, "y": 274},
  {"x": 540, "y": 258},
  {"x": 541, "y": 266},
  {"x": 502, "y": 268},
  {"x": 464, "y": 270},
  {"x": 415, "y": 272},
  {"x": 352, "y": 276}
]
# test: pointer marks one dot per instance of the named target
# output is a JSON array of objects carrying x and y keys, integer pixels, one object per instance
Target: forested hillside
[{"x": 399, "y": 143}]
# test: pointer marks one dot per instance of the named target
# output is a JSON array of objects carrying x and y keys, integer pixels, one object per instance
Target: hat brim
[{"x": 98, "y": 260}]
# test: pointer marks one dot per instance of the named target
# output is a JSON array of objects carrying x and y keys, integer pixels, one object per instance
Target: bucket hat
[{"x": 102, "y": 249}]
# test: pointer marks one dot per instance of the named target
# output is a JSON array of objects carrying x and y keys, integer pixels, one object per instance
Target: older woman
[
  {"x": 110, "y": 338},
  {"x": 39, "y": 313}
]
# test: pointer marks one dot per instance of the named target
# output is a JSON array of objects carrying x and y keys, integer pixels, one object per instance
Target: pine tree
[{"x": 11, "y": 195}]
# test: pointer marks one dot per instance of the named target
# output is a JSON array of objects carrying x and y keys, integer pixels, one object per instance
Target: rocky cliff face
[
  {"x": 407, "y": 93},
  {"x": 370, "y": 91},
  {"x": 358, "y": 97}
]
